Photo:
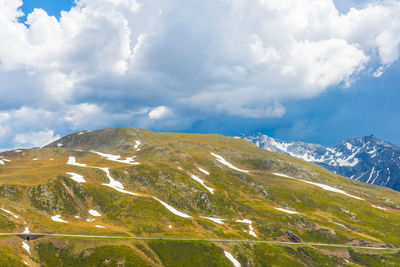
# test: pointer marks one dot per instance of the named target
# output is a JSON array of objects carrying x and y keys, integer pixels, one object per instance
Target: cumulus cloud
[
  {"x": 110, "y": 62},
  {"x": 159, "y": 113},
  {"x": 36, "y": 139}
]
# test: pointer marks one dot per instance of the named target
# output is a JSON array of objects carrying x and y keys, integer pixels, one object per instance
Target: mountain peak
[{"x": 367, "y": 158}]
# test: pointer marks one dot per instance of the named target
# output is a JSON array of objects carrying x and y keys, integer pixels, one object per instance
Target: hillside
[
  {"x": 367, "y": 159},
  {"x": 193, "y": 200}
]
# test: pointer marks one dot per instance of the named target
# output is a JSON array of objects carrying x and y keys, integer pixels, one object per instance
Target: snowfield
[
  {"x": 57, "y": 218},
  {"x": 224, "y": 162},
  {"x": 117, "y": 158},
  {"x": 76, "y": 177},
  {"x": 197, "y": 179},
  {"x": 323, "y": 186},
  {"x": 232, "y": 259},
  {"x": 216, "y": 220},
  {"x": 287, "y": 211}
]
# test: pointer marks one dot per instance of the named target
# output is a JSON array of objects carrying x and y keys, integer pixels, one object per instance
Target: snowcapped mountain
[{"x": 367, "y": 159}]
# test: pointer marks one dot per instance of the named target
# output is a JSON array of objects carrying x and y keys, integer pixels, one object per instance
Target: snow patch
[
  {"x": 137, "y": 144},
  {"x": 332, "y": 189},
  {"x": 94, "y": 213},
  {"x": 35, "y": 159},
  {"x": 232, "y": 259},
  {"x": 117, "y": 158},
  {"x": 203, "y": 171},
  {"x": 26, "y": 231},
  {"x": 250, "y": 223},
  {"x": 76, "y": 177},
  {"x": 57, "y": 218},
  {"x": 339, "y": 224},
  {"x": 72, "y": 161},
  {"x": 172, "y": 209},
  {"x": 287, "y": 211},
  {"x": 377, "y": 207},
  {"x": 83, "y": 132},
  {"x": 282, "y": 175},
  {"x": 216, "y": 220},
  {"x": 226, "y": 163},
  {"x": 26, "y": 247},
  {"x": 59, "y": 145},
  {"x": 77, "y": 217},
  {"x": 202, "y": 183},
  {"x": 99, "y": 226},
  {"x": 9, "y": 212},
  {"x": 169, "y": 226},
  {"x": 90, "y": 219},
  {"x": 3, "y": 160},
  {"x": 179, "y": 168},
  {"x": 325, "y": 187},
  {"x": 114, "y": 184}
]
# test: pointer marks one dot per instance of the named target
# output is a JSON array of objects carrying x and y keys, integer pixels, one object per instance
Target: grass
[{"x": 38, "y": 189}]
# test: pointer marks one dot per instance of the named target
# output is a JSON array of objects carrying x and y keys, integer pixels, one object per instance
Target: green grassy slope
[{"x": 35, "y": 185}]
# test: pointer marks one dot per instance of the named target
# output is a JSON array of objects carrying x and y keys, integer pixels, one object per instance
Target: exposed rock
[
  {"x": 202, "y": 201},
  {"x": 365, "y": 243},
  {"x": 288, "y": 236}
]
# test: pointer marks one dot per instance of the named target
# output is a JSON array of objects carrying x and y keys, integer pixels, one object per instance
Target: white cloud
[
  {"x": 159, "y": 113},
  {"x": 35, "y": 139},
  {"x": 105, "y": 62}
]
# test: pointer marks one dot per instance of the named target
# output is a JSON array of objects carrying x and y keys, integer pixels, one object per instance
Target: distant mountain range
[{"x": 367, "y": 159}]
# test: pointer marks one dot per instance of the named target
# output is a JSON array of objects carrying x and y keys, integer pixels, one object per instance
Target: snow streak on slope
[
  {"x": 9, "y": 212},
  {"x": 287, "y": 211},
  {"x": 250, "y": 223},
  {"x": 172, "y": 209},
  {"x": 26, "y": 247},
  {"x": 216, "y": 220},
  {"x": 232, "y": 259},
  {"x": 202, "y": 183},
  {"x": 57, "y": 218},
  {"x": 203, "y": 171},
  {"x": 226, "y": 163},
  {"x": 325, "y": 187}
]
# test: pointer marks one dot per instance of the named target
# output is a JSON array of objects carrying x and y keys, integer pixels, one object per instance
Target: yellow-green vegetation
[{"x": 35, "y": 185}]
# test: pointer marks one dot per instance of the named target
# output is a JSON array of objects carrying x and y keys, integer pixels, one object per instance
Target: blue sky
[{"x": 194, "y": 67}]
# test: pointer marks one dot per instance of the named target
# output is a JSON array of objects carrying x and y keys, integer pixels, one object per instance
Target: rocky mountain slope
[
  {"x": 367, "y": 159},
  {"x": 192, "y": 200}
]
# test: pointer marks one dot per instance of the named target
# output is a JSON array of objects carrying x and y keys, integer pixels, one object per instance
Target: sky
[{"x": 314, "y": 71}]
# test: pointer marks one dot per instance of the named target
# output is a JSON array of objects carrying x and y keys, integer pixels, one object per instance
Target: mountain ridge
[{"x": 368, "y": 159}]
